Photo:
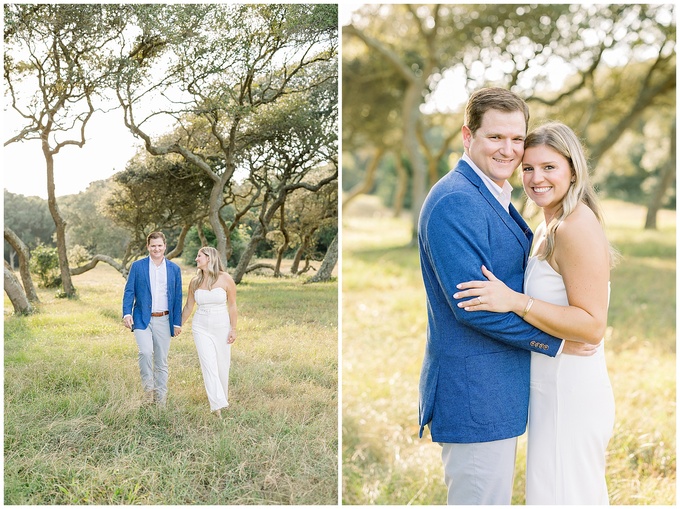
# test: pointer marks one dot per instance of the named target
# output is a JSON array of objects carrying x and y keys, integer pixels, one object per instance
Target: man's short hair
[
  {"x": 155, "y": 235},
  {"x": 492, "y": 98}
]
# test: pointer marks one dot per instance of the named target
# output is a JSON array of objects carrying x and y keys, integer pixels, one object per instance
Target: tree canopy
[
  {"x": 225, "y": 77},
  {"x": 234, "y": 104},
  {"x": 598, "y": 68}
]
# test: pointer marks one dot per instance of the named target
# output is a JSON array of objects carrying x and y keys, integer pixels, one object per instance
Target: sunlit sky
[{"x": 108, "y": 147}]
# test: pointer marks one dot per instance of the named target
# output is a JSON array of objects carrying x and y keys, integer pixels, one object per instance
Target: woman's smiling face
[
  {"x": 202, "y": 260},
  {"x": 546, "y": 175}
]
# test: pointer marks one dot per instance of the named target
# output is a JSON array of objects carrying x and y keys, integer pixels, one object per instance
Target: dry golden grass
[{"x": 75, "y": 432}]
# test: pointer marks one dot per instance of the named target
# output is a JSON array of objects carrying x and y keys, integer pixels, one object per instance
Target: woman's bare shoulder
[
  {"x": 582, "y": 219},
  {"x": 226, "y": 278},
  {"x": 581, "y": 230}
]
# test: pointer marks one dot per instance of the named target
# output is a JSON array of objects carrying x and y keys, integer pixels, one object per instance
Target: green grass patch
[
  {"x": 76, "y": 432},
  {"x": 383, "y": 339}
]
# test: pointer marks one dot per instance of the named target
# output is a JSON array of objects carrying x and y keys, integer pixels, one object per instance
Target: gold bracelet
[{"x": 529, "y": 304}]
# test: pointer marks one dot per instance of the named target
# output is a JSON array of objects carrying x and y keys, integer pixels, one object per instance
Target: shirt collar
[
  {"x": 502, "y": 194},
  {"x": 152, "y": 264}
]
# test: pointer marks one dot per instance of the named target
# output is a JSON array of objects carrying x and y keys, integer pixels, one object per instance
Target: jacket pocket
[{"x": 498, "y": 386}]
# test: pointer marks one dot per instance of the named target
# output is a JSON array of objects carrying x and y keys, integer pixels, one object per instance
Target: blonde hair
[
  {"x": 213, "y": 270},
  {"x": 564, "y": 141}
]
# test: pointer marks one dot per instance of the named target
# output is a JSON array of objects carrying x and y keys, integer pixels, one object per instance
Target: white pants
[
  {"x": 210, "y": 331},
  {"x": 153, "y": 344},
  {"x": 479, "y": 473}
]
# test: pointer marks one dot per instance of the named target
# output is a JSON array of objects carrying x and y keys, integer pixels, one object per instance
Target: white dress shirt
[
  {"x": 502, "y": 194},
  {"x": 158, "y": 276}
]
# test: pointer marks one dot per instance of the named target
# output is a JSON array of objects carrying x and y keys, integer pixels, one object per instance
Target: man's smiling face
[
  {"x": 156, "y": 249},
  {"x": 498, "y": 145}
]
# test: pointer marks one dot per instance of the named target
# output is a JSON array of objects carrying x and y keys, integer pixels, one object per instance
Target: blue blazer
[
  {"x": 474, "y": 383},
  {"x": 137, "y": 294}
]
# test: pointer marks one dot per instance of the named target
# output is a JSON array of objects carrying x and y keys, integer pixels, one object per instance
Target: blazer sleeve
[
  {"x": 459, "y": 242},
  {"x": 129, "y": 292},
  {"x": 177, "y": 296}
]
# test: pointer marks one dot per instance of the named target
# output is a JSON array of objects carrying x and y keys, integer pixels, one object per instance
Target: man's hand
[
  {"x": 579, "y": 349},
  {"x": 178, "y": 330},
  {"x": 127, "y": 321}
]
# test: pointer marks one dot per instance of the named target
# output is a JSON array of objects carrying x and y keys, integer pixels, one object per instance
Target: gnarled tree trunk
[
  {"x": 59, "y": 223},
  {"x": 16, "y": 293},
  {"x": 93, "y": 263},
  {"x": 24, "y": 257},
  {"x": 665, "y": 181},
  {"x": 368, "y": 181},
  {"x": 286, "y": 241},
  {"x": 328, "y": 264},
  {"x": 180, "y": 243}
]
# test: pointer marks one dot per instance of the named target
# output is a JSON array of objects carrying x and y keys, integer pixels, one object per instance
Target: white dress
[
  {"x": 210, "y": 327},
  {"x": 571, "y": 413}
]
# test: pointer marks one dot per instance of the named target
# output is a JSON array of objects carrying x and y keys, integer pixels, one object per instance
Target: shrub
[
  {"x": 45, "y": 264},
  {"x": 78, "y": 255}
]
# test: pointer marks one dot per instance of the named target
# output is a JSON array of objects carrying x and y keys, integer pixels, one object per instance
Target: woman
[
  {"x": 214, "y": 324},
  {"x": 571, "y": 404}
]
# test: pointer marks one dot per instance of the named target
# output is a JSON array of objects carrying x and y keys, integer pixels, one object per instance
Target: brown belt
[{"x": 161, "y": 313}]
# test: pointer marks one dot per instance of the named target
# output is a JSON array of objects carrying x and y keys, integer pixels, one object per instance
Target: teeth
[{"x": 541, "y": 189}]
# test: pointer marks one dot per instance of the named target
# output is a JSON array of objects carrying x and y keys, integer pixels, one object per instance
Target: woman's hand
[
  {"x": 232, "y": 336},
  {"x": 492, "y": 295},
  {"x": 579, "y": 349}
]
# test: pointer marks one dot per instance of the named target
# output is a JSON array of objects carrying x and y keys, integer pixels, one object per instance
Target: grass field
[
  {"x": 76, "y": 432},
  {"x": 383, "y": 337}
]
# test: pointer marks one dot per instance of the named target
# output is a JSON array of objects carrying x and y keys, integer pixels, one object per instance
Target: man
[
  {"x": 152, "y": 309},
  {"x": 474, "y": 384}
]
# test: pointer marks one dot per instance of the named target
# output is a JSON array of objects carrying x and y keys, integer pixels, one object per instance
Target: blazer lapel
[
  {"x": 169, "y": 278},
  {"x": 526, "y": 235},
  {"x": 147, "y": 278},
  {"x": 513, "y": 220}
]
